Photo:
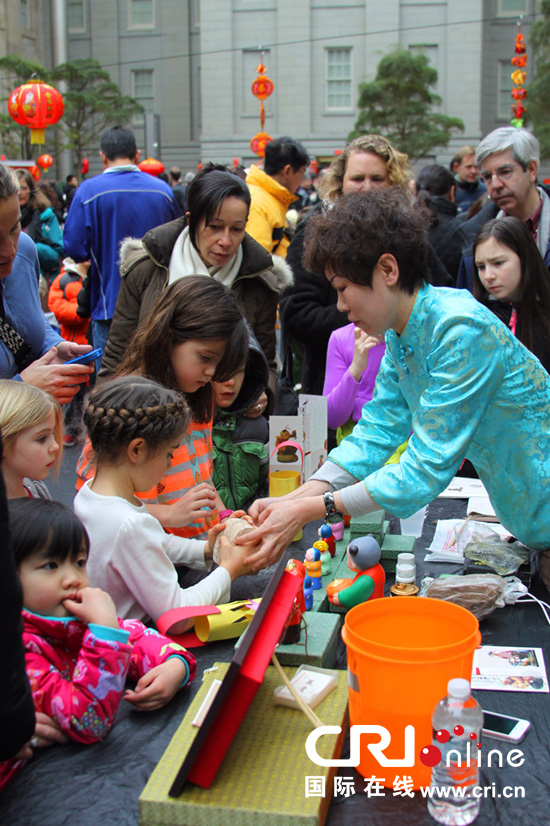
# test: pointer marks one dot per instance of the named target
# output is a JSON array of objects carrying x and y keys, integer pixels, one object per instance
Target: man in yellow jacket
[{"x": 272, "y": 189}]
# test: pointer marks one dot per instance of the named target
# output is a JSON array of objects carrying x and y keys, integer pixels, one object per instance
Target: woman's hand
[
  {"x": 47, "y": 732},
  {"x": 257, "y": 408},
  {"x": 363, "y": 343},
  {"x": 158, "y": 686},
  {"x": 279, "y": 521}
]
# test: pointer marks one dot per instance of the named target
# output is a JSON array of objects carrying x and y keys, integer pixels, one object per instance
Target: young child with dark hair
[{"x": 78, "y": 652}]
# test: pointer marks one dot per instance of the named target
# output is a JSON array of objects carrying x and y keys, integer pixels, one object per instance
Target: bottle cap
[{"x": 458, "y": 688}]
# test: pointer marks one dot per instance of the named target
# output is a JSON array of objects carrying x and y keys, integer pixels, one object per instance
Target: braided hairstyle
[{"x": 133, "y": 407}]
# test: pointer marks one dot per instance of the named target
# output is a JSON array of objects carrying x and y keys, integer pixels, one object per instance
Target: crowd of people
[{"x": 182, "y": 286}]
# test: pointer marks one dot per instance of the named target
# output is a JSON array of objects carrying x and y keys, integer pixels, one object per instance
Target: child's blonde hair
[{"x": 22, "y": 406}]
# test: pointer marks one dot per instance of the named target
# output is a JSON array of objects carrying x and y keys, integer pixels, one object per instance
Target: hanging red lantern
[
  {"x": 35, "y": 172},
  {"x": 152, "y": 166},
  {"x": 45, "y": 161},
  {"x": 85, "y": 166},
  {"x": 519, "y": 76},
  {"x": 259, "y": 143},
  {"x": 36, "y": 105}
]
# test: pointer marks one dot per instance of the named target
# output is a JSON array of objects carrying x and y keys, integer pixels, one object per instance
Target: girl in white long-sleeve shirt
[{"x": 134, "y": 424}]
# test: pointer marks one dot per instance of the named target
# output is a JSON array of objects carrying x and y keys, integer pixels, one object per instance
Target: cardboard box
[{"x": 262, "y": 780}]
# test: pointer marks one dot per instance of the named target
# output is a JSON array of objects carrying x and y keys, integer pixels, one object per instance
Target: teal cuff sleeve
[
  {"x": 184, "y": 661},
  {"x": 112, "y": 634}
]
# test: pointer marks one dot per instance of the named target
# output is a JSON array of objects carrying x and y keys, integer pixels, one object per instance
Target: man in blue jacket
[{"x": 121, "y": 202}]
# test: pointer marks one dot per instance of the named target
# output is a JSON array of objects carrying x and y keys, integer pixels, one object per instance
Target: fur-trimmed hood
[{"x": 159, "y": 243}]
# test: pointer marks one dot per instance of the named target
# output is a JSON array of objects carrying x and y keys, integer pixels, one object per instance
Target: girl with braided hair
[
  {"x": 194, "y": 335},
  {"x": 135, "y": 425}
]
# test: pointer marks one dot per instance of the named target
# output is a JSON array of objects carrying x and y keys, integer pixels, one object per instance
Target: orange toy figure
[
  {"x": 292, "y": 631},
  {"x": 363, "y": 557},
  {"x": 313, "y": 567}
]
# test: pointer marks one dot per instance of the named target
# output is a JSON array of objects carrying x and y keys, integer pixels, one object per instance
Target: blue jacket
[
  {"x": 466, "y": 388},
  {"x": 106, "y": 209},
  {"x": 22, "y": 307}
]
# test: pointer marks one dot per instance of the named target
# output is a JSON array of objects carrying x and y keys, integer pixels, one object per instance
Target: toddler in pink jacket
[{"x": 79, "y": 654}]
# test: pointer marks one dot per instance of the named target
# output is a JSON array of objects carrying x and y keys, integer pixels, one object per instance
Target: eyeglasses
[{"x": 503, "y": 173}]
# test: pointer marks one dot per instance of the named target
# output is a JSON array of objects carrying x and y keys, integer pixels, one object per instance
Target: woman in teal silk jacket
[{"x": 453, "y": 377}]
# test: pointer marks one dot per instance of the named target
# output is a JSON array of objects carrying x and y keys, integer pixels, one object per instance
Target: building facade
[{"x": 191, "y": 63}]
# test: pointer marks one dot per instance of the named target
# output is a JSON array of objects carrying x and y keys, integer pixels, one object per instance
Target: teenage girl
[
  {"x": 196, "y": 333},
  {"x": 510, "y": 268},
  {"x": 77, "y": 652},
  {"x": 135, "y": 425},
  {"x": 32, "y": 427}
]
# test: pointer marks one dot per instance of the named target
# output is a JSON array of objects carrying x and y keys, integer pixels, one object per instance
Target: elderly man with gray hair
[{"x": 508, "y": 159}]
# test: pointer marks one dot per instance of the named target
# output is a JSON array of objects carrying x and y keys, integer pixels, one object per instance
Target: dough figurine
[
  {"x": 313, "y": 567},
  {"x": 308, "y": 592},
  {"x": 292, "y": 631},
  {"x": 326, "y": 559},
  {"x": 363, "y": 557},
  {"x": 325, "y": 532}
]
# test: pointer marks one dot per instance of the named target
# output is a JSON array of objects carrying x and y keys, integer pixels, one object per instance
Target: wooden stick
[
  {"x": 310, "y": 714},
  {"x": 457, "y": 535}
]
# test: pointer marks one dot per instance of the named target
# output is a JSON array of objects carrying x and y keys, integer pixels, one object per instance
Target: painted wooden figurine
[
  {"x": 325, "y": 532},
  {"x": 326, "y": 559},
  {"x": 313, "y": 567},
  {"x": 364, "y": 558},
  {"x": 308, "y": 592}
]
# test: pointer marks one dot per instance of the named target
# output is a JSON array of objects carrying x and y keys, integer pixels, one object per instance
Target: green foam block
[{"x": 323, "y": 631}]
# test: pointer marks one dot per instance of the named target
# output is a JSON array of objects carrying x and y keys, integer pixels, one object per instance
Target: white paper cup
[{"x": 412, "y": 526}]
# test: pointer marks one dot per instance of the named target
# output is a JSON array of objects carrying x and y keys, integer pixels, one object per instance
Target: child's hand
[
  {"x": 232, "y": 557},
  {"x": 211, "y": 541},
  {"x": 93, "y": 605},
  {"x": 363, "y": 343},
  {"x": 158, "y": 686},
  {"x": 243, "y": 515},
  {"x": 197, "y": 503}
]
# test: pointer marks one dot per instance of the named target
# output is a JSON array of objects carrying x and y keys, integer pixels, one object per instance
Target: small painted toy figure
[
  {"x": 326, "y": 559},
  {"x": 292, "y": 632},
  {"x": 325, "y": 532},
  {"x": 308, "y": 592},
  {"x": 363, "y": 557},
  {"x": 313, "y": 567}
]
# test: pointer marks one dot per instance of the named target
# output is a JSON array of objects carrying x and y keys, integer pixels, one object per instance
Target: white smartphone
[{"x": 503, "y": 727}]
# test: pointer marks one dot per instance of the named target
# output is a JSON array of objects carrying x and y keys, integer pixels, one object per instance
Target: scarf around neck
[{"x": 185, "y": 260}]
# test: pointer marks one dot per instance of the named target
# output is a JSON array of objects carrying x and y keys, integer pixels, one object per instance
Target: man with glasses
[{"x": 508, "y": 159}]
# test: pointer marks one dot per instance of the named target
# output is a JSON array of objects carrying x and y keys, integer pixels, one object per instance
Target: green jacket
[{"x": 241, "y": 466}]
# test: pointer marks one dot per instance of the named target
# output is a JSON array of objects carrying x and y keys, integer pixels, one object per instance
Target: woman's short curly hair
[
  {"x": 350, "y": 237},
  {"x": 397, "y": 164}
]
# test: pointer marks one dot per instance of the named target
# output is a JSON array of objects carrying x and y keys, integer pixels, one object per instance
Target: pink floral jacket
[{"x": 78, "y": 672}]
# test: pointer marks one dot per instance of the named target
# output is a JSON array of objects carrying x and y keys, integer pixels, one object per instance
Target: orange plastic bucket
[{"x": 401, "y": 654}]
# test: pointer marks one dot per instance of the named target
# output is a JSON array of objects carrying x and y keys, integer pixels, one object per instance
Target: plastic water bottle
[{"x": 456, "y": 718}]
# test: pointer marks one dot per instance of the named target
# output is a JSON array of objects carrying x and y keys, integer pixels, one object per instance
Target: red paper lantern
[
  {"x": 36, "y": 105},
  {"x": 45, "y": 161},
  {"x": 85, "y": 166},
  {"x": 35, "y": 172},
  {"x": 262, "y": 87},
  {"x": 259, "y": 143},
  {"x": 151, "y": 166}
]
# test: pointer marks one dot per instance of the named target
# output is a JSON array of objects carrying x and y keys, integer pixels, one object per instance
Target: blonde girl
[{"x": 32, "y": 426}]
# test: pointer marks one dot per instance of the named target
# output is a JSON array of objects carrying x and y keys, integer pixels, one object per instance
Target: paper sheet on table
[
  {"x": 462, "y": 488},
  {"x": 481, "y": 509},
  {"x": 443, "y": 547},
  {"x": 509, "y": 668}
]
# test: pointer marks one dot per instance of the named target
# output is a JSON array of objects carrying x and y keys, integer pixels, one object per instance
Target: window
[
  {"x": 505, "y": 87},
  {"x": 143, "y": 92},
  {"x": 76, "y": 18},
  {"x": 511, "y": 8},
  {"x": 25, "y": 14},
  {"x": 141, "y": 14},
  {"x": 338, "y": 79}
]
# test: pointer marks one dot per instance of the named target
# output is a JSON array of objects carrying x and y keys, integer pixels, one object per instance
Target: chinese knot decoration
[
  {"x": 519, "y": 76},
  {"x": 36, "y": 105},
  {"x": 262, "y": 88}
]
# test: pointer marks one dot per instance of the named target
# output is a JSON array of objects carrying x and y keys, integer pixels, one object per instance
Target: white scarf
[{"x": 185, "y": 260}]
